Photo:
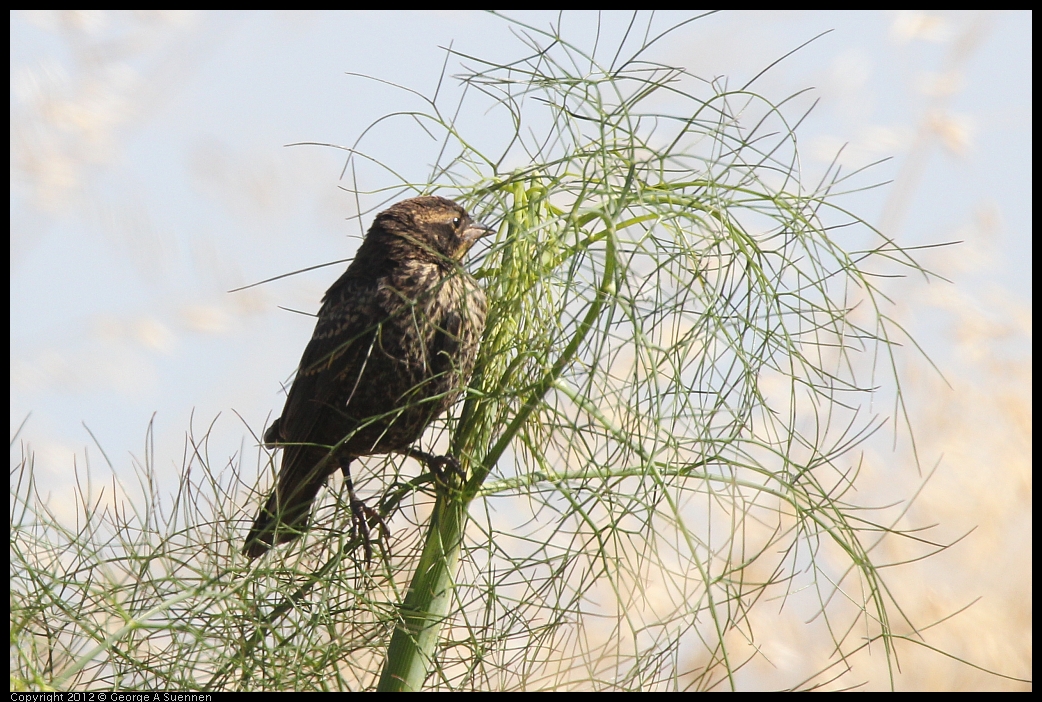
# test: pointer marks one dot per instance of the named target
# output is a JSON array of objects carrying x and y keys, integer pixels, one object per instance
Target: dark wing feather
[
  {"x": 333, "y": 359},
  {"x": 338, "y": 349}
]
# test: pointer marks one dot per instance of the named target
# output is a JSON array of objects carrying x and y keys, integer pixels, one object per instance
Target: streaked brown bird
[{"x": 394, "y": 345}]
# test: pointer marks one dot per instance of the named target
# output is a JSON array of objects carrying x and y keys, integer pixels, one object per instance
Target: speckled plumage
[{"x": 393, "y": 347}]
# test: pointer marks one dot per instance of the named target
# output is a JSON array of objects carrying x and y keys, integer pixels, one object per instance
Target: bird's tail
[{"x": 286, "y": 514}]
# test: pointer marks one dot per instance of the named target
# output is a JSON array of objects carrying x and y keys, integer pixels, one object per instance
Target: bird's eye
[{"x": 456, "y": 221}]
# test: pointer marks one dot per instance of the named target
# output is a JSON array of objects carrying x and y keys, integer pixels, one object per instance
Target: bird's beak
[{"x": 470, "y": 236}]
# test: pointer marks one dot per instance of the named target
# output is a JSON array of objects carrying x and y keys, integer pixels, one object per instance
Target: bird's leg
[{"x": 361, "y": 513}]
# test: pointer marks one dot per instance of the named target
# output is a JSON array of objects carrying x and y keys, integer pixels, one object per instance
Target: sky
[{"x": 151, "y": 174}]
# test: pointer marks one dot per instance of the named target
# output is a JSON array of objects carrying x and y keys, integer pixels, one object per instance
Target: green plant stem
[{"x": 413, "y": 644}]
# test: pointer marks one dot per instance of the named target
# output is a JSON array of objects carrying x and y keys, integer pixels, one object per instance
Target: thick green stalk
[{"x": 415, "y": 639}]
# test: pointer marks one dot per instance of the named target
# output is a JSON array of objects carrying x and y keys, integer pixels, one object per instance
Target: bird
[{"x": 393, "y": 348}]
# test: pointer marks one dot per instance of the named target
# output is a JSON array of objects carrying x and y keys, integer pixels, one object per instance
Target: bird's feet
[
  {"x": 446, "y": 469},
  {"x": 362, "y": 515},
  {"x": 363, "y": 518}
]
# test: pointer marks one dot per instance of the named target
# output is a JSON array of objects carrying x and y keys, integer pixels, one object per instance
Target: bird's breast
[{"x": 429, "y": 310}]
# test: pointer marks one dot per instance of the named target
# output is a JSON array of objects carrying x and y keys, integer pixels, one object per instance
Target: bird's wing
[
  {"x": 342, "y": 341},
  {"x": 346, "y": 326}
]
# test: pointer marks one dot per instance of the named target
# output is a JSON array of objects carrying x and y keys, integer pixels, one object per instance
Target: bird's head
[{"x": 429, "y": 227}]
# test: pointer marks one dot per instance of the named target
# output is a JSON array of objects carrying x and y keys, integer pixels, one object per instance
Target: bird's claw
[
  {"x": 446, "y": 469},
  {"x": 362, "y": 515}
]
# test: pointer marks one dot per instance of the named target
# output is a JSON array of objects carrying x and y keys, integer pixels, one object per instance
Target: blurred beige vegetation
[
  {"x": 974, "y": 441},
  {"x": 978, "y": 434}
]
